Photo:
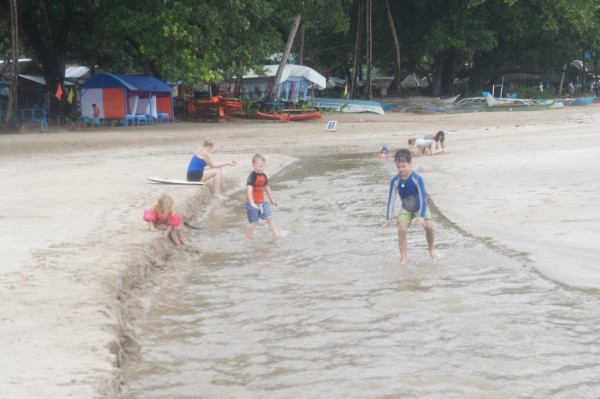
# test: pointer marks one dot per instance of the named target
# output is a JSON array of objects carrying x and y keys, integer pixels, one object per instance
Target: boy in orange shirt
[{"x": 256, "y": 207}]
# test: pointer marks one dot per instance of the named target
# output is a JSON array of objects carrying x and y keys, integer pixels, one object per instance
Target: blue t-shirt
[
  {"x": 412, "y": 194},
  {"x": 196, "y": 164}
]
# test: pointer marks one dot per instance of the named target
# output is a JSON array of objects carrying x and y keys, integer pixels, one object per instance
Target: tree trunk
[
  {"x": 301, "y": 51},
  {"x": 396, "y": 46},
  {"x": 238, "y": 86},
  {"x": 284, "y": 57},
  {"x": 9, "y": 117},
  {"x": 369, "y": 49},
  {"x": 357, "y": 46},
  {"x": 562, "y": 79},
  {"x": 583, "y": 72},
  {"x": 444, "y": 71}
]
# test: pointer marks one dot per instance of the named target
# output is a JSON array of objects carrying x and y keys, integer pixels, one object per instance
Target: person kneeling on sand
[
  {"x": 439, "y": 138},
  {"x": 421, "y": 146},
  {"x": 427, "y": 145},
  {"x": 197, "y": 172},
  {"x": 162, "y": 217}
]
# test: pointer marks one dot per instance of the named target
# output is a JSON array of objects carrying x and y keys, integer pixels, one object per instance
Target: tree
[
  {"x": 284, "y": 57},
  {"x": 398, "y": 69},
  {"x": 9, "y": 117},
  {"x": 50, "y": 28}
]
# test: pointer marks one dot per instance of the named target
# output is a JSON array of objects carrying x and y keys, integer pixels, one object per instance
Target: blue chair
[
  {"x": 162, "y": 117},
  {"x": 128, "y": 119},
  {"x": 150, "y": 119}
]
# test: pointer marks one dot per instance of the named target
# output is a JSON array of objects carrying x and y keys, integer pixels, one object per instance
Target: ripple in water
[{"x": 328, "y": 311}]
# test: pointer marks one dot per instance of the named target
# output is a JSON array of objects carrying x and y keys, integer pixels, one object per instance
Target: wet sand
[{"x": 76, "y": 253}]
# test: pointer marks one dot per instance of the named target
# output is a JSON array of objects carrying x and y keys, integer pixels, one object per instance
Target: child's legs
[
  {"x": 253, "y": 217},
  {"x": 272, "y": 226},
  {"x": 180, "y": 236},
  {"x": 404, "y": 219},
  {"x": 249, "y": 231},
  {"x": 402, "y": 246},
  {"x": 432, "y": 147},
  {"x": 217, "y": 174},
  {"x": 174, "y": 237},
  {"x": 429, "y": 234},
  {"x": 428, "y": 225}
]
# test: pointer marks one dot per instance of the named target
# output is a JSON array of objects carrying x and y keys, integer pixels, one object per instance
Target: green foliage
[
  {"x": 206, "y": 41},
  {"x": 249, "y": 106}
]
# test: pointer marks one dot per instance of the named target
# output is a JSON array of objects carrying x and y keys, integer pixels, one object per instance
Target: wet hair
[
  {"x": 94, "y": 105},
  {"x": 412, "y": 141},
  {"x": 403, "y": 155},
  {"x": 208, "y": 142},
  {"x": 258, "y": 157}
]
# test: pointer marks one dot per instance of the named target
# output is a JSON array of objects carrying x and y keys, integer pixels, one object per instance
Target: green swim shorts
[{"x": 406, "y": 216}]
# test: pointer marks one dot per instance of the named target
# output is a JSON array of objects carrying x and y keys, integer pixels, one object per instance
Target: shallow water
[{"x": 328, "y": 311}]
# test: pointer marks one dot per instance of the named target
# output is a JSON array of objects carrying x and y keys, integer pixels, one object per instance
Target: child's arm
[
  {"x": 391, "y": 201},
  {"x": 168, "y": 231},
  {"x": 422, "y": 201},
  {"x": 213, "y": 165},
  {"x": 268, "y": 191},
  {"x": 250, "y": 197}
]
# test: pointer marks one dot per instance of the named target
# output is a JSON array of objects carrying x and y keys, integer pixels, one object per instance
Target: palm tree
[{"x": 284, "y": 57}]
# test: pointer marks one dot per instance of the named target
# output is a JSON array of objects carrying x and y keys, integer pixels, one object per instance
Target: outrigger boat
[
  {"x": 344, "y": 105},
  {"x": 517, "y": 104},
  {"x": 578, "y": 101},
  {"x": 284, "y": 116}
]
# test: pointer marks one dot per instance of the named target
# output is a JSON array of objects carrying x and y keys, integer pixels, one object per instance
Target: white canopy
[
  {"x": 335, "y": 82},
  {"x": 39, "y": 79},
  {"x": 293, "y": 71},
  {"x": 413, "y": 80}
]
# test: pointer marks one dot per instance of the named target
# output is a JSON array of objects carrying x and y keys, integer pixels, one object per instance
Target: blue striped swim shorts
[{"x": 254, "y": 215}]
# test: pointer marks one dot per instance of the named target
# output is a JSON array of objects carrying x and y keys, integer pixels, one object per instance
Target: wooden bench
[{"x": 32, "y": 115}]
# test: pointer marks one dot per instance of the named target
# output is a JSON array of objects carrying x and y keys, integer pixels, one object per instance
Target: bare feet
[
  {"x": 403, "y": 261},
  {"x": 435, "y": 256},
  {"x": 222, "y": 197}
]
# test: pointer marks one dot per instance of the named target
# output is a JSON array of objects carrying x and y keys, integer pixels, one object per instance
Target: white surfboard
[{"x": 175, "y": 181}]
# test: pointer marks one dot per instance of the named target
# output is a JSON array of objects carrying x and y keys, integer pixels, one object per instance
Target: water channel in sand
[{"x": 328, "y": 311}]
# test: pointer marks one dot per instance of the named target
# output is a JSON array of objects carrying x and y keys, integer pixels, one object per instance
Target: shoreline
[{"x": 76, "y": 252}]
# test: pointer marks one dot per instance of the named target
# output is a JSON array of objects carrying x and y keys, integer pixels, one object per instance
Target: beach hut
[
  {"x": 294, "y": 85},
  {"x": 124, "y": 96}
]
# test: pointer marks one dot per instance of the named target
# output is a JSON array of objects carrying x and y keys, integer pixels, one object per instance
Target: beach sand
[{"x": 76, "y": 254}]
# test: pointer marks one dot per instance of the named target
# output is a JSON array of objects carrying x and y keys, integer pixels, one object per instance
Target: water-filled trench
[{"x": 328, "y": 311}]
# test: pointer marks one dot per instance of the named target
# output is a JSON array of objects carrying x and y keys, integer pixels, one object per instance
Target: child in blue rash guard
[{"x": 410, "y": 187}]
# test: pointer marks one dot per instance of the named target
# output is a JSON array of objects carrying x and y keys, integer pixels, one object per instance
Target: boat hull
[
  {"x": 343, "y": 105},
  {"x": 578, "y": 101},
  {"x": 288, "y": 117}
]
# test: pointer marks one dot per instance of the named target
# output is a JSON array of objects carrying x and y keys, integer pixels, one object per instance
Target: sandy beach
[{"x": 76, "y": 254}]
